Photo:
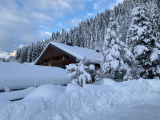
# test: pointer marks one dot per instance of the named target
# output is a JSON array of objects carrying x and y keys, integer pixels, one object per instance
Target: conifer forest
[{"x": 128, "y": 37}]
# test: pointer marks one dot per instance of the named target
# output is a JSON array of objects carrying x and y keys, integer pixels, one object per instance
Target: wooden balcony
[
  {"x": 61, "y": 63},
  {"x": 45, "y": 64}
]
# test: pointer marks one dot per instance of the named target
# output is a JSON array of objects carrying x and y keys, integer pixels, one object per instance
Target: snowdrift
[
  {"x": 4, "y": 102},
  {"x": 16, "y": 94},
  {"x": 19, "y": 76},
  {"x": 82, "y": 101},
  {"x": 47, "y": 90}
]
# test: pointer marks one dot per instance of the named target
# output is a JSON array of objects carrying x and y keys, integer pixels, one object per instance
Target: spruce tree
[
  {"x": 34, "y": 51},
  {"x": 29, "y": 54},
  {"x": 82, "y": 72},
  {"x": 115, "y": 55},
  {"x": 17, "y": 54},
  {"x": 63, "y": 36},
  {"x": 141, "y": 42},
  {"x": 20, "y": 59}
]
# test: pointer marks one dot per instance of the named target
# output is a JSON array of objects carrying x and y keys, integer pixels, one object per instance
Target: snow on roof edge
[
  {"x": 68, "y": 51},
  {"x": 73, "y": 53},
  {"x": 41, "y": 53}
]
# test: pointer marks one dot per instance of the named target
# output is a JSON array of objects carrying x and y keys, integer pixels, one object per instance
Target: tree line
[{"x": 91, "y": 33}]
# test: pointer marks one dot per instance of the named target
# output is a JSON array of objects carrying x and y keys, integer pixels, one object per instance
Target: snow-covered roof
[{"x": 77, "y": 52}]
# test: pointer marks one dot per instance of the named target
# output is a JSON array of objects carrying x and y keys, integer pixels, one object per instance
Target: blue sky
[{"x": 25, "y": 21}]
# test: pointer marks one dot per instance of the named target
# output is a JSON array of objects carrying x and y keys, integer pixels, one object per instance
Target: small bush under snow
[{"x": 81, "y": 73}]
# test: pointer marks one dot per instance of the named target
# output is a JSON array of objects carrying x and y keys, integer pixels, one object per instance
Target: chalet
[{"x": 60, "y": 55}]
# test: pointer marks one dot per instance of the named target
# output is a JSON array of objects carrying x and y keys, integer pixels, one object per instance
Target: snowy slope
[
  {"x": 78, "y": 52},
  {"x": 130, "y": 100},
  {"x": 18, "y": 76}
]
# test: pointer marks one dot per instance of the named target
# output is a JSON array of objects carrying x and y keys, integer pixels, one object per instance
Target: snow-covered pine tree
[
  {"x": 53, "y": 36},
  {"x": 17, "y": 54},
  {"x": 84, "y": 34},
  {"x": 141, "y": 42},
  {"x": 115, "y": 55},
  {"x": 93, "y": 34},
  {"x": 11, "y": 59},
  {"x": 96, "y": 31},
  {"x": 98, "y": 26},
  {"x": 91, "y": 31},
  {"x": 41, "y": 46},
  {"x": 81, "y": 73},
  {"x": 58, "y": 37},
  {"x": 76, "y": 38},
  {"x": 29, "y": 54},
  {"x": 88, "y": 38},
  {"x": 38, "y": 49},
  {"x": 80, "y": 40},
  {"x": 70, "y": 40},
  {"x": 25, "y": 49},
  {"x": 99, "y": 44},
  {"x": 156, "y": 21},
  {"x": 66, "y": 38},
  {"x": 63, "y": 36},
  {"x": 154, "y": 16},
  {"x": 34, "y": 51},
  {"x": 46, "y": 42},
  {"x": 20, "y": 59}
]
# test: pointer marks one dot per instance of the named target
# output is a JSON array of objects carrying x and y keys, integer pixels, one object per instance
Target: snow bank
[
  {"x": 63, "y": 88},
  {"x": 72, "y": 86},
  {"x": 16, "y": 94},
  {"x": 4, "y": 102},
  {"x": 87, "y": 100},
  {"x": 105, "y": 81},
  {"x": 44, "y": 91},
  {"x": 19, "y": 76}
]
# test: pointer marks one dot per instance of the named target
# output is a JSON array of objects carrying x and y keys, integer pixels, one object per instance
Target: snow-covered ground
[
  {"x": 18, "y": 76},
  {"x": 103, "y": 100}
]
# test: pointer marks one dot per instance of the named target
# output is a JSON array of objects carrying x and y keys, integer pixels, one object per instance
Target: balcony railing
[{"x": 61, "y": 63}]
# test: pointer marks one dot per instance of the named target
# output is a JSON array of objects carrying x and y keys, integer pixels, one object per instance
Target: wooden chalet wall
[{"x": 54, "y": 57}]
